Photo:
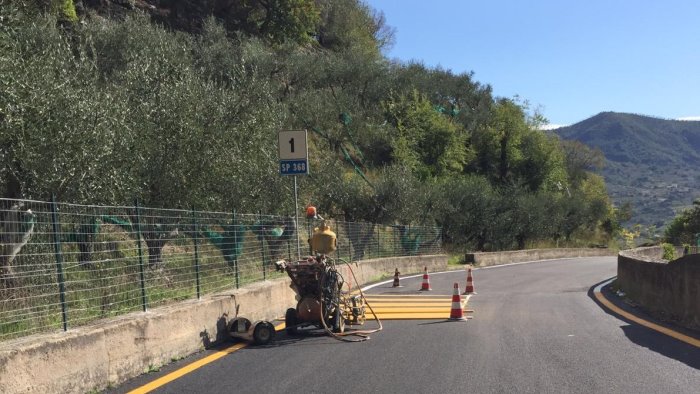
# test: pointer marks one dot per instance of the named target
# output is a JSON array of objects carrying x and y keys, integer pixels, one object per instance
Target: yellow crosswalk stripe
[
  {"x": 412, "y": 309},
  {"x": 410, "y": 316},
  {"x": 399, "y": 302},
  {"x": 408, "y": 296},
  {"x": 399, "y": 306}
]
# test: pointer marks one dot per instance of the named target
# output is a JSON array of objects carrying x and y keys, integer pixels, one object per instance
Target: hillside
[
  {"x": 652, "y": 163},
  {"x": 114, "y": 105}
]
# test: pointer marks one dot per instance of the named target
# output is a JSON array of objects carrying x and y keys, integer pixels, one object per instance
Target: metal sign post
[
  {"x": 294, "y": 160},
  {"x": 296, "y": 217}
]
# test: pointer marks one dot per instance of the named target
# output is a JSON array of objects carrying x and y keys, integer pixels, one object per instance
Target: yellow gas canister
[{"x": 323, "y": 240}]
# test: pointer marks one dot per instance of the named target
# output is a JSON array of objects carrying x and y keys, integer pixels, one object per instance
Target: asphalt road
[{"x": 536, "y": 329}]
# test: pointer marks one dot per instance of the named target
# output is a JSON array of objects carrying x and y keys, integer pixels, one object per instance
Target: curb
[{"x": 620, "y": 313}]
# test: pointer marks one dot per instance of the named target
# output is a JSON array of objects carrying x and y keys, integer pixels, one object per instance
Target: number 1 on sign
[{"x": 291, "y": 143}]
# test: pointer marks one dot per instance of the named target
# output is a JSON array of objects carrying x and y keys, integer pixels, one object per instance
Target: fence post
[
  {"x": 308, "y": 231},
  {"x": 379, "y": 245},
  {"x": 59, "y": 261},
  {"x": 235, "y": 247},
  {"x": 350, "y": 227},
  {"x": 195, "y": 237},
  {"x": 337, "y": 237},
  {"x": 262, "y": 243},
  {"x": 142, "y": 278},
  {"x": 407, "y": 243},
  {"x": 289, "y": 249},
  {"x": 397, "y": 240}
]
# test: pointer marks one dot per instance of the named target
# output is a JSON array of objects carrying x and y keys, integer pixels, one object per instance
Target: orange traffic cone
[
  {"x": 456, "y": 313},
  {"x": 396, "y": 278},
  {"x": 426, "y": 281},
  {"x": 469, "y": 289}
]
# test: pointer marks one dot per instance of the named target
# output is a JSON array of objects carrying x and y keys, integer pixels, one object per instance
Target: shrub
[{"x": 669, "y": 252}]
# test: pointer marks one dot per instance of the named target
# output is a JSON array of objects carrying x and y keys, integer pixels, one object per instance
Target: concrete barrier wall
[
  {"x": 369, "y": 271},
  {"x": 496, "y": 258},
  {"x": 670, "y": 290},
  {"x": 115, "y": 350}
]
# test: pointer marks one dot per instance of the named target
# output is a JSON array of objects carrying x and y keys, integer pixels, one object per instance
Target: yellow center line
[
  {"x": 425, "y": 310},
  {"x": 664, "y": 330},
  {"x": 163, "y": 380}
]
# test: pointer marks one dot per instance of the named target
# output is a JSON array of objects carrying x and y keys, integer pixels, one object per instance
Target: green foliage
[
  {"x": 580, "y": 159},
  {"x": 455, "y": 259},
  {"x": 53, "y": 123},
  {"x": 275, "y": 21},
  {"x": 685, "y": 228},
  {"x": 292, "y": 20},
  {"x": 351, "y": 26},
  {"x": 67, "y": 10},
  {"x": 498, "y": 144},
  {"x": 510, "y": 152},
  {"x": 542, "y": 163},
  {"x": 669, "y": 252},
  {"x": 458, "y": 95},
  {"x": 402, "y": 197},
  {"x": 466, "y": 210},
  {"x": 425, "y": 141},
  {"x": 114, "y": 110},
  {"x": 630, "y": 236}
]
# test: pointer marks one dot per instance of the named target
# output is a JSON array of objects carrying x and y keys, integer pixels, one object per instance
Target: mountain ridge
[{"x": 651, "y": 162}]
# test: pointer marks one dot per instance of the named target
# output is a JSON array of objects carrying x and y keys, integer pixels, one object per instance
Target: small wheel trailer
[{"x": 260, "y": 332}]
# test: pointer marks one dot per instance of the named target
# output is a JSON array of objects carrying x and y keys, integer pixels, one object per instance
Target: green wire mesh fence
[{"x": 67, "y": 265}]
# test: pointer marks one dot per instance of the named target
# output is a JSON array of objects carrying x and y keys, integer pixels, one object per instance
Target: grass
[
  {"x": 109, "y": 284},
  {"x": 455, "y": 260}
]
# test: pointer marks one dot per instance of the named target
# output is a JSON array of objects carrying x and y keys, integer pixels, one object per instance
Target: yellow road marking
[
  {"x": 412, "y": 298},
  {"x": 404, "y": 296},
  {"x": 395, "y": 299},
  {"x": 414, "y": 309},
  {"x": 163, "y": 380},
  {"x": 410, "y": 316},
  {"x": 399, "y": 307},
  {"x": 376, "y": 305},
  {"x": 645, "y": 323},
  {"x": 421, "y": 300},
  {"x": 389, "y": 307}
]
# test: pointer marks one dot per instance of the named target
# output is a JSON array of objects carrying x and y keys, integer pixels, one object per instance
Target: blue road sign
[{"x": 294, "y": 167}]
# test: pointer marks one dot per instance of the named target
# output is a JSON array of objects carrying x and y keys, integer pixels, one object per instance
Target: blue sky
[{"x": 572, "y": 58}]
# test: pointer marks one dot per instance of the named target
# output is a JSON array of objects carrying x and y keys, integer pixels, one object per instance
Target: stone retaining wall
[
  {"x": 669, "y": 290},
  {"x": 495, "y": 258},
  {"x": 115, "y": 350}
]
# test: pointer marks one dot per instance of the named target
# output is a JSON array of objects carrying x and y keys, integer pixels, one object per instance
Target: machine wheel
[
  {"x": 338, "y": 321},
  {"x": 263, "y": 333},
  {"x": 290, "y": 321}
]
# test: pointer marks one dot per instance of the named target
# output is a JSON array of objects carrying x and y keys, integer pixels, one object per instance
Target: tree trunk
[
  {"x": 155, "y": 251},
  {"x": 17, "y": 228},
  {"x": 359, "y": 238}
]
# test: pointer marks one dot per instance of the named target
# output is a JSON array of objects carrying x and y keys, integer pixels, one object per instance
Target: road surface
[{"x": 536, "y": 329}]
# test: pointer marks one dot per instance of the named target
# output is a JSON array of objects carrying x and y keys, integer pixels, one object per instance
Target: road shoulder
[{"x": 621, "y": 308}]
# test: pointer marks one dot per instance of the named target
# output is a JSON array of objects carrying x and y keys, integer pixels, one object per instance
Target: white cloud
[
  {"x": 689, "y": 118},
  {"x": 551, "y": 126}
]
